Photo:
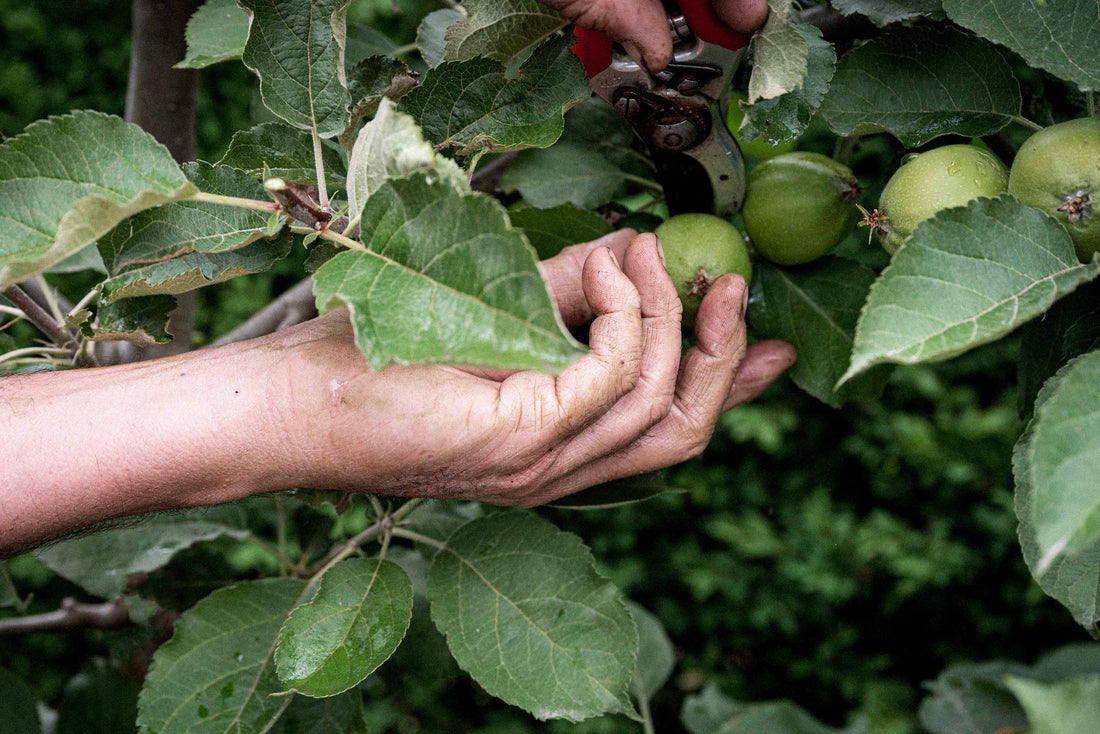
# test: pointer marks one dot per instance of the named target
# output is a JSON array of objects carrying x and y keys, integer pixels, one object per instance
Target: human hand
[
  {"x": 629, "y": 406},
  {"x": 641, "y": 26}
]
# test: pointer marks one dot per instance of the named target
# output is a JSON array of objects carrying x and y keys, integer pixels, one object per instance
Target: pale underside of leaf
[
  {"x": 780, "y": 55},
  {"x": 499, "y": 29}
]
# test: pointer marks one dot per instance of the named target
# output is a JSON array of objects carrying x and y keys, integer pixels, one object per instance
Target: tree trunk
[{"x": 163, "y": 101}]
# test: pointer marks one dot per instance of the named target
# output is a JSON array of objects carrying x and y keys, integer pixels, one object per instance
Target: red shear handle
[
  {"x": 705, "y": 23},
  {"x": 594, "y": 50}
]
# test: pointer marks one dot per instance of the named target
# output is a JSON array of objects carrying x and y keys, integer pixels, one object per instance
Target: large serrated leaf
[
  {"x": 216, "y": 32},
  {"x": 966, "y": 277},
  {"x": 341, "y": 714},
  {"x": 1056, "y": 463},
  {"x": 885, "y": 12},
  {"x": 920, "y": 83},
  {"x": 499, "y": 29},
  {"x": 446, "y": 279},
  {"x": 296, "y": 48},
  {"x": 392, "y": 146},
  {"x": 780, "y": 55},
  {"x": 217, "y": 673},
  {"x": 183, "y": 227},
  {"x": 551, "y": 230},
  {"x": 67, "y": 180},
  {"x": 815, "y": 308},
  {"x": 471, "y": 106},
  {"x": 101, "y": 562},
  {"x": 1066, "y": 707},
  {"x": 972, "y": 699},
  {"x": 1061, "y": 36},
  {"x": 526, "y": 614},
  {"x": 143, "y": 321},
  {"x": 352, "y": 625},
  {"x": 787, "y": 116},
  {"x": 18, "y": 709},
  {"x": 285, "y": 151},
  {"x": 563, "y": 174}
]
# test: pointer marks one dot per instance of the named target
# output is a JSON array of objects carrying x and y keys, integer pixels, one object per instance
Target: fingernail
[
  {"x": 614, "y": 259},
  {"x": 660, "y": 251},
  {"x": 745, "y": 298}
]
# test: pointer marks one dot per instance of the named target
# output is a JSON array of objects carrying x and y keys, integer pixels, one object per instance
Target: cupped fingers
[
  {"x": 564, "y": 274},
  {"x": 650, "y": 401},
  {"x": 591, "y": 385}
]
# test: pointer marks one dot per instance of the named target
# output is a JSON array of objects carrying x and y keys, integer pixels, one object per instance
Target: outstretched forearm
[{"x": 85, "y": 446}]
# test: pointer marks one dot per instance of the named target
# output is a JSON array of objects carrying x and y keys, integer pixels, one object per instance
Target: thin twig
[
  {"x": 71, "y": 614},
  {"x": 38, "y": 316},
  {"x": 418, "y": 538}
]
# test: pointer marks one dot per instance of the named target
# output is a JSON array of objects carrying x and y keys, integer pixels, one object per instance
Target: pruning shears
[{"x": 676, "y": 112}]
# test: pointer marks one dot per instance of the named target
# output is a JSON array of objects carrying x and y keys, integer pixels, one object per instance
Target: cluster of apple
[{"x": 800, "y": 205}]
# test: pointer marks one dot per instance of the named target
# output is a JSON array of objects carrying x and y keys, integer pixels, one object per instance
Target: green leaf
[
  {"x": 392, "y": 146},
  {"x": 196, "y": 270},
  {"x": 1060, "y": 36},
  {"x": 296, "y": 48},
  {"x": 780, "y": 55},
  {"x": 188, "y": 226},
  {"x": 617, "y": 493},
  {"x": 1055, "y": 464},
  {"x": 216, "y": 32},
  {"x": 471, "y": 106},
  {"x": 500, "y": 29},
  {"x": 445, "y": 280},
  {"x": 142, "y": 321},
  {"x": 563, "y": 174},
  {"x": 351, "y": 626},
  {"x": 68, "y": 180},
  {"x": 370, "y": 81},
  {"x": 710, "y": 712},
  {"x": 18, "y": 709},
  {"x": 98, "y": 701},
  {"x": 966, "y": 277},
  {"x": 787, "y": 116},
  {"x": 341, "y": 714},
  {"x": 885, "y": 12},
  {"x": 285, "y": 152},
  {"x": 920, "y": 83},
  {"x": 595, "y": 126},
  {"x": 9, "y": 595},
  {"x": 1068, "y": 707},
  {"x": 815, "y": 308},
  {"x": 189, "y": 244},
  {"x": 100, "y": 563},
  {"x": 526, "y": 614},
  {"x": 551, "y": 230},
  {"x": 972, "y": 699},
  {"x": 430, "y": 40},
  {"x": 1070, "y": 328},
  {"x": 1075, "y": 660},
  {"x": 656, "y": 658},
  {"x": 217, "y": 673}
]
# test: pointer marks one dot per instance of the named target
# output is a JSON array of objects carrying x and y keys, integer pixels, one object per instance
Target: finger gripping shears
[{"x": 676, "y": 111}]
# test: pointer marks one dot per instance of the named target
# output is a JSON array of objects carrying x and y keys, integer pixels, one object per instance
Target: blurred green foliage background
[{"x": 836, "y": 558}]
